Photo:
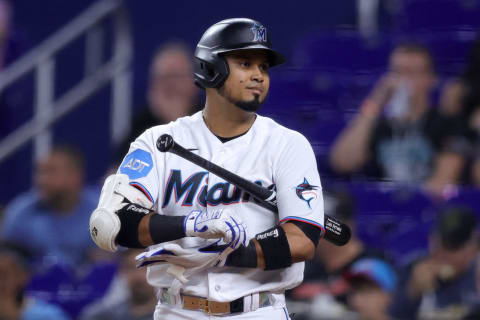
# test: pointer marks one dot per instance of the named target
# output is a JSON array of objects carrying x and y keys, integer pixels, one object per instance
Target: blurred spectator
[
  {"x": 324, "y": 280},
  {"x": 398, "y": 135},
  {"x": 139, "y": 301},
  {"x": 171, "y": 92},
  {"x": 462, "y": 97},
  {"x": 372, "y": 282},
  {"x": 52, "y": 221},
  {"x": 443, "y": 284},
  {"x": 14, "y": 276}
]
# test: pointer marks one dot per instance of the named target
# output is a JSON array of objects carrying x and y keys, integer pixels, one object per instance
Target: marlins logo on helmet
[
  {"x": 306, "y": 192},
  {"x": 259, "y": 32}
]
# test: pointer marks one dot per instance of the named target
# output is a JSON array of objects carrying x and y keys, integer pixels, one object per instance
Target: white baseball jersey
[{"x": 268, "y": 154}]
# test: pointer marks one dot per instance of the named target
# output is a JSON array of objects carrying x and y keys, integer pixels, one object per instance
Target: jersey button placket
[
  {"x": 221, "y": 157},
  {"x": 212, "y": 179}
]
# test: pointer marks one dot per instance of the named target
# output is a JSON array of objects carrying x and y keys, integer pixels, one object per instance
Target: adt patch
[{"x": 137, "y": 164}]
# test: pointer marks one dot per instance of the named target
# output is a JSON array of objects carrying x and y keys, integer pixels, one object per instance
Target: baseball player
[{"x": 212, "y": 251}]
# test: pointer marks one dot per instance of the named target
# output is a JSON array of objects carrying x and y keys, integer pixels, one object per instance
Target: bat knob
[{"x": 165, "y": 142}]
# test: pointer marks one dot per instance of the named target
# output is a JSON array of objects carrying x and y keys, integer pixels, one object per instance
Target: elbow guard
[{"x": 106, "y": 224}]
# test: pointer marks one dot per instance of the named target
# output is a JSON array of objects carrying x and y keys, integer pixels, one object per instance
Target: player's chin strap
[{"x": 104, "y": 222}]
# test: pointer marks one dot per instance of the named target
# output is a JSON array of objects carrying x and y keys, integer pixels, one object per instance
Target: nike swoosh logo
[{"x": 192, "y": 149}]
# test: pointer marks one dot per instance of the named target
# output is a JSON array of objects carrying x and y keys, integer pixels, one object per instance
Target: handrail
[
  {"x": 49, "y": 110},
  {"x": 68, "y": 33},
  {"x": 67, "y": 103}
]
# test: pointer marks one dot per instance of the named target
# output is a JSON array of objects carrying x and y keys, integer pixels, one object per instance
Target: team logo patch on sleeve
[
  {"x": 137, "y": 164},
  {"x": 306, "y": 192}
]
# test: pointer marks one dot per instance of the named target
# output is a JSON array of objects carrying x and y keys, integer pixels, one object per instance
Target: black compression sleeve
[
  {"x": 243, "y": 257},
  {"x": 130, "y": 217},
  {"x": 274, "y": 246},
  {"x": 166, "y": 228},
  {"x": 162, "y": 228},
  {"x": 311, "y": 231}
]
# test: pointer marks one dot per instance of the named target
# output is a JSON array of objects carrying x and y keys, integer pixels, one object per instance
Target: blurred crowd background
[{"x": 387, "y": 92}]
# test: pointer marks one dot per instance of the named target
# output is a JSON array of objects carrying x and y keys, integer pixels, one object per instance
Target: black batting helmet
[{"x": 211, "y": 69}]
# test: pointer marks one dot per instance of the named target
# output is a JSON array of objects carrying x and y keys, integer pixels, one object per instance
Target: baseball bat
[{"x": 336, "y": 232}]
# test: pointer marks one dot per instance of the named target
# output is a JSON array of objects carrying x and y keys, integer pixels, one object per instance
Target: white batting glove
[
  {"x": 173, "y": 253},
  {"x": 215, "y": 224},
  {"x": 185, "y": 262}
]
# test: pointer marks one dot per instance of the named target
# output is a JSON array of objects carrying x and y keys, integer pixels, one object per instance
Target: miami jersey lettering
[{"x": 195, "y": 188}]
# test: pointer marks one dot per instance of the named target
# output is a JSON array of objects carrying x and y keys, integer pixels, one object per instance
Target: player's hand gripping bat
[{"x": 335, "y": 232}]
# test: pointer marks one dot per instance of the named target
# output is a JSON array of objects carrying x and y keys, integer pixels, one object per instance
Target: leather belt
[{"x": 215, "y": 307}]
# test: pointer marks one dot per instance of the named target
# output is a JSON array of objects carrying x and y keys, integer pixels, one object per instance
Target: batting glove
[
  {"x": 185, "y": 262},
  {"x": 215, "y": 224}
]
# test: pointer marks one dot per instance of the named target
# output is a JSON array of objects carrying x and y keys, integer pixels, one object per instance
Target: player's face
[{"x": 248, "y": 82}]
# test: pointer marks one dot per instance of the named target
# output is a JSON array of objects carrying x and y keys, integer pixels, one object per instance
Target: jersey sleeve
[
  {"x": 141, "y": 165},
  {"x": 299, "y": 190}
]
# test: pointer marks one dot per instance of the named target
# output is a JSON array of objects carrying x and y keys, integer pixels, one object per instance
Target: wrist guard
[{"x": 275, "y": 247}]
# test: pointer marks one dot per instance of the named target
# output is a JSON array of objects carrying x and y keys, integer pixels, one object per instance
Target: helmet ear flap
[
  {"x": 203, "y": 73},
  {"x": 224, "y": 71},
  {"x": 210, "y": 70},
  {"x": 209, "y": 75},
  {"x": 207, "y": 69}
]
